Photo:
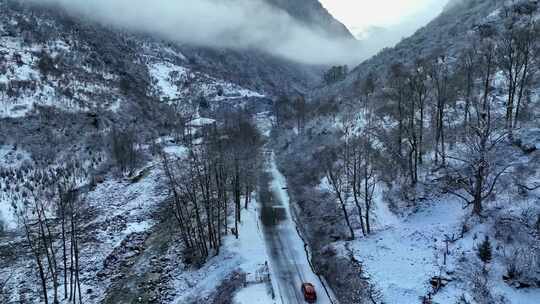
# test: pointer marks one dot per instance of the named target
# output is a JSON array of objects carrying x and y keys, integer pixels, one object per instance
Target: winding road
[{"x": 289, "y": 264}]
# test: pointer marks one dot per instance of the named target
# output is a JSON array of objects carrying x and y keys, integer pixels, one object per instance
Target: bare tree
[
  {"x": 33, "y": 241},
  {"x": 281, "y": 109},
  {"x": 467, "y": 68},
  {"x": 178, "y": 205},
  {"x": 363, "y": 181},
  {"x": 529, "y": 49},
  {"x": 439, "y": 72},
  {"x": 397, "y": 82},
  {"x": 515, "y": 55},
  {"x": 211, "y": 180},
  {"x": 300, "y": 109},
  {"x": 418, "y": 93},
  {"x": 336, "y": 176},
  {"x": 480, "y": 171}
]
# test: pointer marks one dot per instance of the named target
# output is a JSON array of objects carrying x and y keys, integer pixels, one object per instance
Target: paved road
[{"x": 288, "y": 259}]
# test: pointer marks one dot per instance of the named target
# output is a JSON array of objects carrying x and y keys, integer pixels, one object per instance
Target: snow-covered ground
[
  {"x": 115, "y": 212},
  {"x": 201, "y": 122},
  {"x": 19, "y": 174},
  {"x": 123, "y": 208},
  {"x": 254, "y": 294},
  {"x": 246, "y": 255},
  {"x": 8, "y": 220},
  {"x": 264, "y": 122},
  {"x": 166, "y": 75},
  {"x": 173, "y": 83},
  {"x": 402, "y": 256},
  {"x": 23, "y": 85},
  {"x": 252, "y": 251}
]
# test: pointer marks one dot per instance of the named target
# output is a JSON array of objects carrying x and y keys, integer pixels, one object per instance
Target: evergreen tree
[{"x": 484, "y": 251}]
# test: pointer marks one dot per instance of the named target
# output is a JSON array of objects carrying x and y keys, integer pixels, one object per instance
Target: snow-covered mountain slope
[
  {"x": 49, "y": 58},
  {"x": 29, "y": 78},
  {"x": 173, "y": 83},
  {"x": 52, "y": 64},
  {"x": 314, "y": 15},
  {"x": 73, "y": 95},
  {"x": 449, "y": 32},
  {"x": 60, "y": 73},
  {"x": 425, "y": 237}
]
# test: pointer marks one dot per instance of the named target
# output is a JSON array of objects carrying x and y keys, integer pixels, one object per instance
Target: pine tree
[{"x": 484, "y": 251}]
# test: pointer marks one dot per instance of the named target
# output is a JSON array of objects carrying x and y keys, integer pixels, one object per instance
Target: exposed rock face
[{"x": 313, "y": 14}]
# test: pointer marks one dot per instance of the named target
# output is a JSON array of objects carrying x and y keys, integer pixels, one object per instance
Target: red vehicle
[{"x": 309, "y": 292}]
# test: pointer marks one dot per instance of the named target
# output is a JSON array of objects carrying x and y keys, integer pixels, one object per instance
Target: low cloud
[{"x": 237, "y": 24}]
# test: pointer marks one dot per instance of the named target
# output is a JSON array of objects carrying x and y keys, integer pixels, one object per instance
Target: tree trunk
[
  {"x": 337, "y": 189},
  {"x": 477, "y": 203},
  {"x": 367, "y": 199},
  {"x": 400, "y": 126},
  {"x": 356, "y": 190},
  {"x": 421, "y": 134},
  {"x": 41, "y": 270},
  {"x": 522, "y": 85}
]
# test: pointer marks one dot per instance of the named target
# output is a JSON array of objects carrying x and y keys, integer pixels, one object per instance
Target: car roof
[{"x": 309, "y": 287}]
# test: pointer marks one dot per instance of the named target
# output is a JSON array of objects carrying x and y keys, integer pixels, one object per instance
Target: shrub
[
  {"x": 46, "y": 65},
  {"x": 512, "y": 271},
  {"x": 522, "y": 266}
]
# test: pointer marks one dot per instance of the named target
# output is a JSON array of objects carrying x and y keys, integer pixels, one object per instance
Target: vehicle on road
[{"x": 309, "y": 292}]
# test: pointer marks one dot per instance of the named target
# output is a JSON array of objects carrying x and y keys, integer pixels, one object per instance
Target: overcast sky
[{"x": 360, "y": 15}]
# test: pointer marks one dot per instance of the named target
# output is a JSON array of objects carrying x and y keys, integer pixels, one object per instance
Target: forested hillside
[
  {"x": 137, "y": 167},
  {"x": 421, "y": 164},
  {"x": 125, "y": 173}
]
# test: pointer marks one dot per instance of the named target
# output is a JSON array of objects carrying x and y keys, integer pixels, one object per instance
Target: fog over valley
[{"x": 237, "y": 24}]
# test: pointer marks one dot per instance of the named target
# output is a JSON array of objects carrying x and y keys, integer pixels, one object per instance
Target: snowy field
[{"x": 402, "y": 257}]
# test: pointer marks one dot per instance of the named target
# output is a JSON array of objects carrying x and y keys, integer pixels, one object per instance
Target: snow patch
[
  {"x": 8, "y": 220},
  {"x": 167, "y": 76},
  {"x": 174, "y": 83},
  {"x": 176, "y": 151},
  {"x": 201, "y": 122},
  {"x": 254, "y": 294},
  {"x": 402, "y": 258}
]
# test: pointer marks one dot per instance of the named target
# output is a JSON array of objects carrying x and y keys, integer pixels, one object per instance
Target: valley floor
[{"x": 289, "y": 255}]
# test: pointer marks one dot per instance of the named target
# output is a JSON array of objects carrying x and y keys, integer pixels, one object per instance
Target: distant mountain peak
[{"x": 313, "y": 13}]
